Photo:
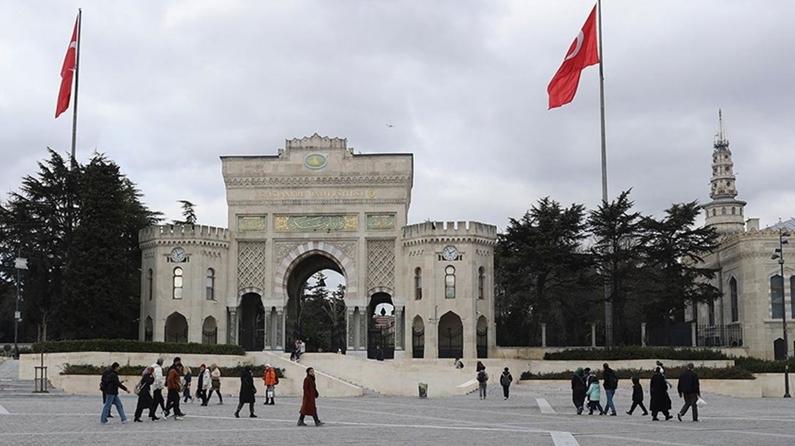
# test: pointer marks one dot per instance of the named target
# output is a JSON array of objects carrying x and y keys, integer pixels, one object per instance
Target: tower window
[{"x": 449, "y": 282}]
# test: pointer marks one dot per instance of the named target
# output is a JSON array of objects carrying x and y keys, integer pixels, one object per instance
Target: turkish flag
[
  {"x": 67, "y": 73},
  {"x": 582, "y": 53}
]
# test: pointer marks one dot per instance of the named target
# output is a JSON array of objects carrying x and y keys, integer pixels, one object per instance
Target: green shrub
[
  {"x": 631, "y": 352},
  {"x": 671, "y": 373},
  {"x": 136, "y": 370},
  {"x": 128, "y": 345},
  {"x": 755, "y": 365}
]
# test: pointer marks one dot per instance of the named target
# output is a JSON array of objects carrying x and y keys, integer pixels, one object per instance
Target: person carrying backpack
[
  {"x": 505, "y": 381},
  {"x": 482, "y": 378}
]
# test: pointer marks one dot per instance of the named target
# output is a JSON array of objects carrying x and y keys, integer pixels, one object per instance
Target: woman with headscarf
[
  {"x": 658, "y": 390},
  {"x": 144, "y": 396},
  {"x": 308, "y": 406},
  {"x": 247, "y": 391},
  {"x": 578, "y": 390}
]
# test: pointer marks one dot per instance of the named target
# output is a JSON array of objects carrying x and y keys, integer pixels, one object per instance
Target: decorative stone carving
[
  {"x": 251, "y": 265},
  {"x": 380, "y": 222},
  {"x": 247, "y": 223},
  {"x": 381, "y": 264},
  {"x": 315, "y": 223}
]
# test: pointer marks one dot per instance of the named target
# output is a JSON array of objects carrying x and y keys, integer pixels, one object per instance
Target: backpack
[{"x": 482, "y": 376}]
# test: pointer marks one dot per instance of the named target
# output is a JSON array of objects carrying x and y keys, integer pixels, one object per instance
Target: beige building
[
  {"x": 754, "y": 293},
  {"x": 317, "y": 205}
]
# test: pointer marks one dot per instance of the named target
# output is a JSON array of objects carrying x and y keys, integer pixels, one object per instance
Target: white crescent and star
[{"x": 577, "y": 46}]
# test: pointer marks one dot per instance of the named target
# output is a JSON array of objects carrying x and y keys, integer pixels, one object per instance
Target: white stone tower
[{"x": 724, "y": 212}]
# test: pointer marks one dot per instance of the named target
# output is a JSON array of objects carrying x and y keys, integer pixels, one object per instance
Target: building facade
[
  {"x": 317, "y": 205},
  {"x": 754, "y": 292}
]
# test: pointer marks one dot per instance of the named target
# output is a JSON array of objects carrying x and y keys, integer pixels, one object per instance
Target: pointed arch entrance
[
  {"x": 451, "y": 336},
  {"x": 482, "y": 331},
  {"x": 176, "y": 328},
  {"x": 315, "y": 311},
  {"x": 251, "y": 330}
]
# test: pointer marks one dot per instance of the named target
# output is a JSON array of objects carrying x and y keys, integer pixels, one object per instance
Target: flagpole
[
  {"x": 608, "y": 303},
  {"x": 77, "y": 80}
]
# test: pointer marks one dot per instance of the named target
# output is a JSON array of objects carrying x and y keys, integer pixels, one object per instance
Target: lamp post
[
  {"x": 779, "y": 254},
  {"x": 20, "y": 264}
]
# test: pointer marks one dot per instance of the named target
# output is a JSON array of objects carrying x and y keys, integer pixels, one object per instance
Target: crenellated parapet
[
  {"x": 152, "y": 236},
  {"x": 449, "y": 232}
]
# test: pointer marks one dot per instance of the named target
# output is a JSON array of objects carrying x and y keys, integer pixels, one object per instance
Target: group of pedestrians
[
  {"x": 177, "y": 381},
  {"x": 585, "y": 389},
  {"x": 483, "y": 378}
]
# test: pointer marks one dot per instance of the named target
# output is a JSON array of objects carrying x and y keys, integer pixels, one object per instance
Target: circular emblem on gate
[{"x": 315, "y": 161}]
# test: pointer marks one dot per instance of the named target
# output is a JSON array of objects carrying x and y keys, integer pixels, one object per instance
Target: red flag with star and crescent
[
  {"x": 67, "y": 73},
  {"x": 582, "y": 53}
]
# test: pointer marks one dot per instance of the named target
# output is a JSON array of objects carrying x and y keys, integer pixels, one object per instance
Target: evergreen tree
[
  {"x": 541, "y": 272},
  {"x": 188, "y": 213},
  {"x": 78, "y": 227},
  {"x": 618, "y": 251}
]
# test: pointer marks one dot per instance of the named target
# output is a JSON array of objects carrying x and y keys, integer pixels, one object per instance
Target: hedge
[
  {"x": 755, "y": 365},
  {"x": 618, "y": 353},
  {"x": 670, "y": 373},
  {"x": 135, "y": 370},
  {"x": 128, "y": 345}
]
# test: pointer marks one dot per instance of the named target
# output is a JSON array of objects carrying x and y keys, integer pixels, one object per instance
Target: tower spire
[{"x": 724, "y": 212}]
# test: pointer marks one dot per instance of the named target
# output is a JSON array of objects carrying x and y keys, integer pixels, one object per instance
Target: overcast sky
[{"x": 168, "y": 87}]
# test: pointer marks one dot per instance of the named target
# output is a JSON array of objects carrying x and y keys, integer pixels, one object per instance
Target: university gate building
[{"x": 316, "y": 205}]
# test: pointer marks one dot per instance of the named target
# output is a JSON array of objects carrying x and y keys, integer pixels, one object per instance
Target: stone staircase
[{"x": 12, "y": 386}]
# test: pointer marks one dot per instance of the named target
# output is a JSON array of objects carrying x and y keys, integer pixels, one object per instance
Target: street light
[{"x": 778, "y": 253}]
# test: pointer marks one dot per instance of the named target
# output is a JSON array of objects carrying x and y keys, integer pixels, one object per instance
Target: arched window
[
  {"x": 777, "y": 296},
  {"x": 711, "y": 313},
  {"x": 481, "y": 282},
  {"x": 417, "y": 283},
  {"x": 210, "y": 285},
  {"x": 734, "y": 301},
  {"x": 449, "y": 282},
  {"x": 177, "y": 283},
  {"x": 149, "y": 283},
  {"x": 209, "y": 331},
  {"x": 792, "y": 296},
  {"x": 148, "y": 329}
]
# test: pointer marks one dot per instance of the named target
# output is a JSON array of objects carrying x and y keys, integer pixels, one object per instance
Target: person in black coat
[
  {"x": 578, "y": 390},
  {"x": 145, "y": 396},
  {"x": 637, "y": 396},
  {"x": 660, "y": 402},
  {"x": 690, "y": 390},
  {"x": 247, "y": 391}
]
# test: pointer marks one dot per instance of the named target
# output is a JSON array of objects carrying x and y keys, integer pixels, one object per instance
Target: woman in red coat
[{"x": 310, "y": 394}]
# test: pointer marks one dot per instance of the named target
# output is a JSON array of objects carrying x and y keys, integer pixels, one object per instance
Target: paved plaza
[{"x": 536, "y": 415}]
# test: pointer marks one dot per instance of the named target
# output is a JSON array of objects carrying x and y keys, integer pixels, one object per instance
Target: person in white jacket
[{"x": 157, "y": 389}]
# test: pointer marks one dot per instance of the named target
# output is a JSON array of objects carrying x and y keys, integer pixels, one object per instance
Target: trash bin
[{"x": 423, "y": 388}]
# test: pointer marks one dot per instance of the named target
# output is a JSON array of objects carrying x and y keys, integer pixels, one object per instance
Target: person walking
[
  {"x": 610, "y": 385},
  {"x": 247, "y": 392},
  {"x": 173, "y": 387},
  {"x": 308, "y": 406},
  {"x": 594, "y": 395},
  {"x": 157, "y": 388},
  {"x": 689, "y": 389},
  {"x": 483, "y": 379},
  {"x": 215, "y": 384},
  {"x": 505, "y": 381},
  {"x": 637, "y": 396},
  {"x": 187, "y": 378},
  {"x": 111, "y": 387},
  {"x": 102, "y": 380},
  {"x": 578, "y": 389},
  {"x": 271, "y": 379},
  {"x": 144, "y": 390},
  {"x": 658, "y": 390}
]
